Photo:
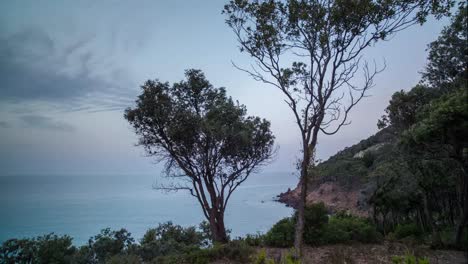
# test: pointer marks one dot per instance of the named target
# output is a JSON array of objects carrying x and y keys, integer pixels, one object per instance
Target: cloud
[
  {"x": 47, "y": 123},
  {"x": 35, "y": 67},
  {"x": 4, "y": 124}
]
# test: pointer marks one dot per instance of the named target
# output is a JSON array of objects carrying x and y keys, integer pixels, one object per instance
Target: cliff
[{"x": 344, "y": 181}]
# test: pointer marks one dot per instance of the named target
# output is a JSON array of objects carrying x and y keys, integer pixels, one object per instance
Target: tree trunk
[
  {"x": 218, "y": 230},
  {"x": 303, "y": 182},
  {"x": 463, "y": 214},
  {"x": 462, "y": 156},
  {"x": 436, "y": 240}
]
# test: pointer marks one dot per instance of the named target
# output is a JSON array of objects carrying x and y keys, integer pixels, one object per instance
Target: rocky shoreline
[{"x": 331, "y": 194}]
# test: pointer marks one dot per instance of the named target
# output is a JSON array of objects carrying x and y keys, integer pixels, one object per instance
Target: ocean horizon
[{"x": 82, "y": 205}]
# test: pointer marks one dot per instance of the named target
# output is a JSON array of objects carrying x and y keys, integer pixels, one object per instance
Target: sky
[{"x": 69, "y": 69}]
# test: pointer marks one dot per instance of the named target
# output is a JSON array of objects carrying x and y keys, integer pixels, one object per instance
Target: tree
[
  {"x": 448, "y": 55},
  {"x": 311, "y": 51},
  {"x": 445, "y": 122},
  {"x": 208, "y": 143}
]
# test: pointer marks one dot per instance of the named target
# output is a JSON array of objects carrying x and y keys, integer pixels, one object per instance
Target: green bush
[
  {"x": 316, "y": 218},
  {"x": 43, "y": 249},
  {"x": 281, "y": 234},
  {"x": 406, "y": 230},
  {"x": 169, "y": 239},
  {"x": 261, "y": 258},
  {"x": 107, "y": 244},
  {"x": 409, "y": 259},
  {"x": 254, "y": 240},
  {"x": 236, "y": 250},
  {"x": 344, "y": 228}
]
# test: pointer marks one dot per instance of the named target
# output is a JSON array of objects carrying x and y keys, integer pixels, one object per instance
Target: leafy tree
[
  {"x": 208, "y": 143},
  {"x": 401, "y": 113},
  {"x": 448, "y": 55},
  {"x": 311, "y": 51},
  {"x": 444, "y": 124}
]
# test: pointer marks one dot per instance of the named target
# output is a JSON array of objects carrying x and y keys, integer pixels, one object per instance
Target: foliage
[
  {"x": 344, "y": 228},
  {"x": 261, "y": 258},
  {"x": 106, "y": 244},
  {"x": 43, "y": 249},
  {"x": 281, "y": 234},
  {"x": 315, "y": 220},
  {"x": 204, "y": 137},
  {"x": 448, "y": 55},
  {"x": 406, "y": 230},
  {"x": 322, "y": 229},
  {"x": 409, "y": 259},
  {"x": 169, "y": 239}
]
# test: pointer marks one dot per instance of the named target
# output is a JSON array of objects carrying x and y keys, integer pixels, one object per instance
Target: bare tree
[
  {"x": 312, "y": 50},
  {"x": 208, "y": 143}
]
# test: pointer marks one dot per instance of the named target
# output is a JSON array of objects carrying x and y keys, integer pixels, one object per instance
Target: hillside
[{"x": 344, "y": 181}]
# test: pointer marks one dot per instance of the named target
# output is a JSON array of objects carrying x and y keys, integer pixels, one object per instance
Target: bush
[
  {"x": 261, "y": 258},
  {"x": 236, "y": 250},
  {"x": 43, "y": 249},
  {"x": 254, "y": 240},
  {"x": 169, "y": 239},
  {"x": 107, "y": 244},
  {"x": 281, "y": 234},
  {"x": 344, "y": 228},
  {"x": 316, "y": 218},
  {"x": 406, "y": 230},
  {"x": 409, "y": 259}
]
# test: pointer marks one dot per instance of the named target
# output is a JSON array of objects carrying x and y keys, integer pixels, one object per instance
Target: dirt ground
[
  {"x": 371, "y": 254},
  {"x": 367, "y": 254}
]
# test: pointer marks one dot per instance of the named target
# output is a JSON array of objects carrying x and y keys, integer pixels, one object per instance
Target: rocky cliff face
[
  {"x": 331, "y": 194},
  {"x": 344, "y": 179}
]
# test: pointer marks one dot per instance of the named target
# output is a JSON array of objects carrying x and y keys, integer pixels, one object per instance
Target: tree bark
[
  {"x": 462, "y": 154},
  {"x": 218, "y": 230},
  {"x": 463, "y": 214},
  {"x": 436, "y": 240},
  {"x": 298, "y": 240}
]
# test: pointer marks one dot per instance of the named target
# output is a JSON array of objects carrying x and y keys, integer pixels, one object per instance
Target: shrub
[
  {"x": 409, "y": 259},
  {"x": 169, "y": 239},
  {"x": 343, "y": 228},
  {"x": 43, "y": 249},
  {"x": 254, "y": 240},
  {"x": 406, "y": 230},
  {"x": 124, "y": 259},
  {"x": 281, "y": 234},
  {"x": 261, "y": 258},
  {"x": 315, "y": 220},
  {"x": 236, "y": 250},
  {"x": 109, "y": 243},
  {"x": 368, "y": 159}
]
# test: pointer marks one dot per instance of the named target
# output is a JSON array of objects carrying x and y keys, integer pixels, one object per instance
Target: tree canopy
[{"x": 209, "y": 144}]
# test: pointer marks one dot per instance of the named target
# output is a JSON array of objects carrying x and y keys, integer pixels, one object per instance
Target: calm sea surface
[{"x": 81, "y": 206}]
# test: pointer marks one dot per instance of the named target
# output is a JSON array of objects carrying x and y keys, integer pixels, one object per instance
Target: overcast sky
[{"x": 69, "y": 68}]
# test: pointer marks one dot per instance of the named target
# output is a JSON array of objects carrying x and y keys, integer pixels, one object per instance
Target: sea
[{"x": 82, "y": 205}]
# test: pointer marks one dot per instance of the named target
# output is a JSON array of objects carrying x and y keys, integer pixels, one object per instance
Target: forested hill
[{"x": 352, "y": 165}]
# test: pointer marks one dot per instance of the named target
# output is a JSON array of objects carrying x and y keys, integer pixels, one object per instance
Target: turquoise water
[{"x": 81, "y": 206}]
